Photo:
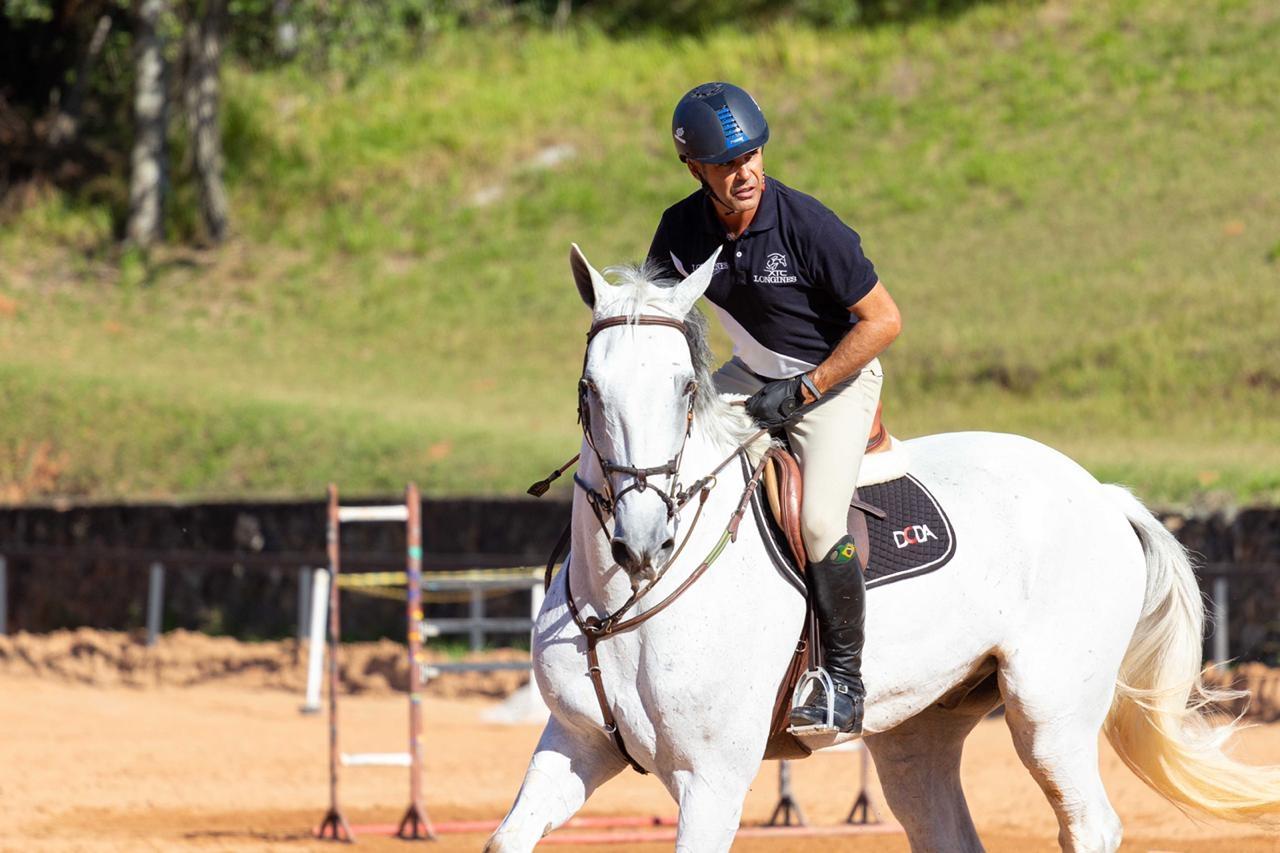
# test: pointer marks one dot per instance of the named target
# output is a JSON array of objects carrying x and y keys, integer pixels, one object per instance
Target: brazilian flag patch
[{"x": 842, "y": 553}]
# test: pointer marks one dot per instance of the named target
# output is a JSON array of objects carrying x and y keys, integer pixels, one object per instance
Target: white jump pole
[
  {"x": 1221, "y": 623},
  {"x": 304, "y": 602},
  {"x": 155, "y": 603},
  {"x": 537, "y": 594},
  {"x": 4, "y": 597},
  {"x": 319, "y": 612},
  {"x": 377, "y": 759}
]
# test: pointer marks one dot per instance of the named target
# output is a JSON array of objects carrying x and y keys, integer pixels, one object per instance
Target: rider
[{"x": 808, "y": 317}]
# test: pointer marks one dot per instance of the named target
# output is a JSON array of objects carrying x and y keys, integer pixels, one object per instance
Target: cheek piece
[{"x": 706, "y": 188}]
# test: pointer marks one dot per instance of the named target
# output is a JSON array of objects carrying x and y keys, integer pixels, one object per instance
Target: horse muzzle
[{"x": 644, "y": 546}]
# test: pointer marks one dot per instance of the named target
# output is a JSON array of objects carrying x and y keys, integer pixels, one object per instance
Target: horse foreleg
[
  {"x": 918, "y": 763},
  {"x": 566, "y": 767},
  {"x": 710, "y": 808}
]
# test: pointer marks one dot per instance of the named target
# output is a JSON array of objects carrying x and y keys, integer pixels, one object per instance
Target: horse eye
[{"x": 691, "y": 387}]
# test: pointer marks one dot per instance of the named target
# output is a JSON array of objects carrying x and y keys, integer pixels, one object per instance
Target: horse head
[{"x": 637, "y": 394}]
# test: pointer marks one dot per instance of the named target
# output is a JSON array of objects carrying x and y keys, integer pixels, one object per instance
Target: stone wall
[{"x": 233, "y": 567}]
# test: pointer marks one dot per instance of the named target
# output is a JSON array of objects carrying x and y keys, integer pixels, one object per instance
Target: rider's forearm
[{"x": 866, "y": 340}]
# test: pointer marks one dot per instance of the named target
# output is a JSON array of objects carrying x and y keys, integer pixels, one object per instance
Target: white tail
[{"x": 1157, "y": 722}]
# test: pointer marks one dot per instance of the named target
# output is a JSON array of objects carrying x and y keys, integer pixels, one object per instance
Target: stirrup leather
[{"x": 819, "y": 679}]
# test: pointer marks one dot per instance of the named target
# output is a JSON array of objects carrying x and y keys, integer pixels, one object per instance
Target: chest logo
[
  {"x": 775, "y": 270},
  {"x": 720, "y": 267}
]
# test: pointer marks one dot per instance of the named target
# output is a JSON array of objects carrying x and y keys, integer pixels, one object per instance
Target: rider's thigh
[{"x": 829, "y": 441}]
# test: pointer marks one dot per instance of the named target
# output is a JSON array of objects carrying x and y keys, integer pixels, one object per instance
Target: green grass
[{"x": 1074, "y": 204}]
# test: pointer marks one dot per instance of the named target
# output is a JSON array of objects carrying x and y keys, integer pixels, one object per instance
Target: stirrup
[{"x": 821, "y": 681}]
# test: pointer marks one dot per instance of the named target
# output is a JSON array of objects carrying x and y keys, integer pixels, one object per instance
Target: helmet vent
[{"x": 732, "y": 132}]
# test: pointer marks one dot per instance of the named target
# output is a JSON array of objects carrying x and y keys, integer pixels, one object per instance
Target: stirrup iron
[{"x": 821, "y": 680}]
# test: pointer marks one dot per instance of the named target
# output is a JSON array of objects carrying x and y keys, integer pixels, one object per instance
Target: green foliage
[
  {"x": 29, "y": 10},
  {"x": 698, "y": 16},
  {"x": 347, "y": 36},
  {"x": 1043, "y": 189}
]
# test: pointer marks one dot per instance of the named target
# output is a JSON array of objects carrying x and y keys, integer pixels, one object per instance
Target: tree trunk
[
  {"x": 563, "y": 10},
  {"x": 286, "y": 30},
  {"x": 202, "y": 93},
  {"x": 66, "y": 123},
  {"x": 147, "y": 178}
]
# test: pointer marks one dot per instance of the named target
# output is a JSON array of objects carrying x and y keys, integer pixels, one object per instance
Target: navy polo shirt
[{"x": 783, "y": 289}]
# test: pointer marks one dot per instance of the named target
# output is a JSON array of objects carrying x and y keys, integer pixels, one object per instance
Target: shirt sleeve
[
  {"x": 660, "y": 251},
  {"x": 839, "y": 264}
]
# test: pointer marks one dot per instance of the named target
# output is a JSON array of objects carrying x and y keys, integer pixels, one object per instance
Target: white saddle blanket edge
[{"x": 884, "y": 466}]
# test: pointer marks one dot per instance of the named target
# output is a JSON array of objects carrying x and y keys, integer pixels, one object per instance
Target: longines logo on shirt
[
  {"x": 775, "y": 271},
  {"x": 721, "y": 266}
]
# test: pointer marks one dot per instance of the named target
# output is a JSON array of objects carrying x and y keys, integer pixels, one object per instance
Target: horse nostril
[
  {"x": 669, "y": 545},
  {"x": 622, "y": 554}
]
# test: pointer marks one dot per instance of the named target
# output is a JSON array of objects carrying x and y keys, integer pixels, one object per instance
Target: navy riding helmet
[{"x": 716, "y": 122}]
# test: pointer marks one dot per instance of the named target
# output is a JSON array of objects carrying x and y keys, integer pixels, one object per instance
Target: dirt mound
[{"x": 183, "y": 659}]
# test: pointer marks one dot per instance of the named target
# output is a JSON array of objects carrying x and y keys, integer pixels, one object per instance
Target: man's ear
[
  {"x": 694, "y": 169},
  {"x": 589, "y": 281}
]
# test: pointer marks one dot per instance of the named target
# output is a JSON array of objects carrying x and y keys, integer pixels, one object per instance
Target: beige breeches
[{"x": 829, "y": 441}]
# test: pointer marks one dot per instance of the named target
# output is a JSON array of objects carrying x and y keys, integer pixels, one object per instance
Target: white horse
[{"x": 1081, "y": 600}]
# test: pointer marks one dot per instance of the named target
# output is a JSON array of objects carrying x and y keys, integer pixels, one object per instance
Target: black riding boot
[{"x": 839, "y": 592}]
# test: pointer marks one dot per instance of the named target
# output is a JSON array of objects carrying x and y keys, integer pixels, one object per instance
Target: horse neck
[{"x": 599, "y": 581}]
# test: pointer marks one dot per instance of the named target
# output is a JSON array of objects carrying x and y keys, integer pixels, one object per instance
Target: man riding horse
[{"x": 808, "y": 317}]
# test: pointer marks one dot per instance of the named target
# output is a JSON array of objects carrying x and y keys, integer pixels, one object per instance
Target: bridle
[
  {"x": 603, "y": 503},
  {"x": 605, "y": 500}
]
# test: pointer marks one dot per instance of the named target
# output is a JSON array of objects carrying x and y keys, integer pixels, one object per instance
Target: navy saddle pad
[{"x": 914, "y": 538}]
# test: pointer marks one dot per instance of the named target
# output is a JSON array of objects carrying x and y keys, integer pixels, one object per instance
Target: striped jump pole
[
  {"x": 415, "y": 823},
  {"x": 334, "y": 826}
]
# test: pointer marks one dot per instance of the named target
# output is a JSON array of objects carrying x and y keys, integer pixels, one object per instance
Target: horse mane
[{"x": 645, "y": 286}]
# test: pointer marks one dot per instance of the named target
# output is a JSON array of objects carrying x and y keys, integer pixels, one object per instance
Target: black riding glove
[{"x": 777, "y": 402}]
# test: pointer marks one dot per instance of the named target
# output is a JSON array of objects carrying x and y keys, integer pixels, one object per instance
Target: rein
[{"x": 595, "y": 628}]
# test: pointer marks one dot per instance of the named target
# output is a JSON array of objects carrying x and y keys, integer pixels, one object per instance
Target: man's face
[{"x": 738, "y": 183}]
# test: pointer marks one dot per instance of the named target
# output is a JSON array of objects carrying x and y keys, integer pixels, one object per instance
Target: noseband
[{"x": 604, "y": 501}]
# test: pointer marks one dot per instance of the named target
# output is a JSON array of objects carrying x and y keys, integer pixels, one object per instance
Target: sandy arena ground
[{"x": 237, "y": 768}]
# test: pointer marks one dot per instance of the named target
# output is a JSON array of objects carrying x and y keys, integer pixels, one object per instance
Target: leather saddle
[{"x": 785, "y": 492}]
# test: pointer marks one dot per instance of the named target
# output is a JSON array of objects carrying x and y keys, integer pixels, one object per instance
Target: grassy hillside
[{"x": 1074, "y": 204}]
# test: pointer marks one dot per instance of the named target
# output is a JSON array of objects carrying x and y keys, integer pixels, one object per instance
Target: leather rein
[{"x": 604, "y": 501}]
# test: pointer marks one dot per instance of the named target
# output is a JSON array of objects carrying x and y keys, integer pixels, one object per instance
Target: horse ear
[
  {"x": 585, "y": 276},
  {"x": 694, "y": 285}
]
